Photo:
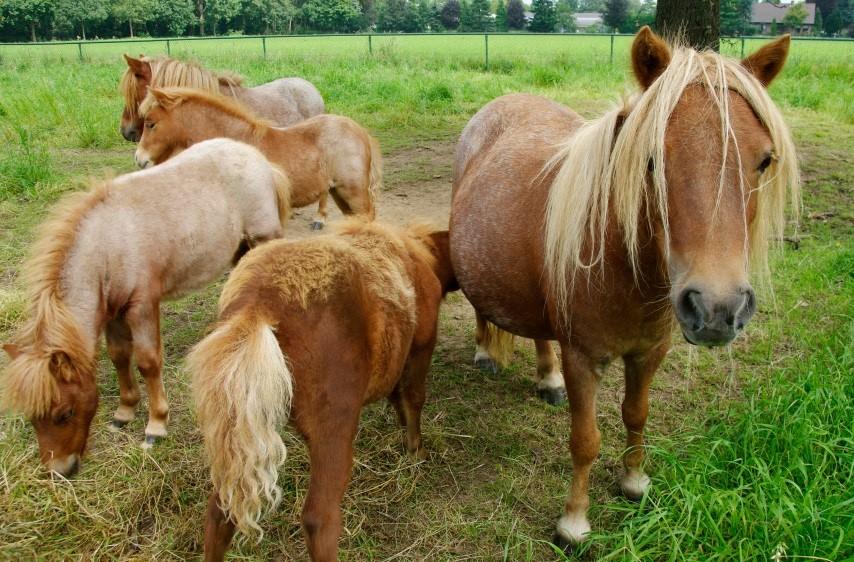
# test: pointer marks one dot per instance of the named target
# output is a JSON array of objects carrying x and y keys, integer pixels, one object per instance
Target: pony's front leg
[
  {"x": 412, "y": 393},
  {"x": 120, "y": 350},
  {"x": 639, "y": 372},
  {"x": 219, "y": 531},
  {"x": 144, "y": 322},
  {"x": 320, "y": 218},
  {"x": 582, "y": 382},
  {"x": 550, "y": 386}
]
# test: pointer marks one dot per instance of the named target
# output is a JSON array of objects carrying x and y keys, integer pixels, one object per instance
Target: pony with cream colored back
[
  {"x": 325, "y": 155},
  {"x": 103, "y": 263},
  {"x": 310, "y": 331},
  {"x": 606, "y": 234},
  {"x": 284, "y": 101}
]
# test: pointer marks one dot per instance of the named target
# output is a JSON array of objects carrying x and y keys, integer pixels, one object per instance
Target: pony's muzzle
[
  {"x": 65, "y": 467},
  {"x": 712, "y": 320},
  {"x": 141, "y": 158},
  {"x": 130, "y": 133}
]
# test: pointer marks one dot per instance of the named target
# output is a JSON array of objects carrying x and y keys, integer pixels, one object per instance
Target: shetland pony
[
  {"x": 310, "y": 331},
  {"x": 600, "y": 234},
  {"x": 322, "y": 155},
  {"x": 104, "y": 262},
  {"x": 284, "y": 101}
]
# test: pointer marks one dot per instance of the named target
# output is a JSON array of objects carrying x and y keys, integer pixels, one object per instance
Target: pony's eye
[
  {"x": 765, "y": 163},
  {"x": 64, "y": 416},
  {"x": 149, "y": 125}
]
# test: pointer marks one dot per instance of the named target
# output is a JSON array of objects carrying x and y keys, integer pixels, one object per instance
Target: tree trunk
[
  {"x": 33, "y": 31},
  {"x": 697, "y": 22},
  {"x": 130, "y": 25},
  {"x": 83, "y": 30},
  {"x": 201, "y": 7}
]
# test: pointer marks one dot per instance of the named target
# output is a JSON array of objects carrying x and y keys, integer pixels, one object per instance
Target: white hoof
[
  {"x": 573, "y": 528},
  {"x": 155, "y": 428},
  {"x": 481, "y": 355},
  {"x": 634, "y": 484}
]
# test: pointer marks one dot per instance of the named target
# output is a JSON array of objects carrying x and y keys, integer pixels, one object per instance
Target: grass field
[{"x": 751, "y": 448}]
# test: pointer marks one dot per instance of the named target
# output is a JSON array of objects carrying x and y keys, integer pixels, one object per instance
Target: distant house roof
[
  {"x": 766, "y": 12},
  {"x": 586, "y": 19}
]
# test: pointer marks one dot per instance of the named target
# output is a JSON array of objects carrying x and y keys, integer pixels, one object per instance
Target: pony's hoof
[
  {"x": 317, "y": 225},
  {"x": 634, "y": 485},
  {"x": 150, "y": 441},
  {"x": 553, "y": 396},
  {"x": 486, "y": 364},
  {"x": 571, "y": 531},
  {"x": 117, "y": 425}
]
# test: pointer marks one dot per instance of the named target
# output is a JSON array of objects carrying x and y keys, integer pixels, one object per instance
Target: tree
[
  {"x": 817, "y": 24},
  {"x": 268, "y": 16},
  {"x": 698, "y": 21},
  {"x": 834, "y": 22},
  {"x": 616, "y": 14},
  {"x": 515, "y": 14},
  {"x": 591, "y": 6},
  {"x": 501, "y": 16},
  {"x": 795, "y": 16},
  {"x": 27, "y": 13},
  {"x": 133, "y": 12},
  {"x": 428, "y": 15},
  {"x": 774, "y": 26},
  {"x": 544, "y": 16},
  {"x": 332, "y": 15},
  {"x": 475, "y": 16},
  {"x": 450, "y": 14},
  {"x": 170, "y": 17},
  {"x": 399, "y": 15},
  {"x": 76, "y": 14},
  {"x": 221, "y": 12},
  {"x": 735, "y": 16},
  {"x": 565, "y": 16}
]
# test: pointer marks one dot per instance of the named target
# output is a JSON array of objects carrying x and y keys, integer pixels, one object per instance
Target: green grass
[{"x": 751, "y": 448}]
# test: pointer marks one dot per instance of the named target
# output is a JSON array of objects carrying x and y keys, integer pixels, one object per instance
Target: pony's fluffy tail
[
  {"x": 243, "y": 389},
  {"x": 497, "y": 343},
  {"x": 283, "y": 193},
  {"x": 375, "y": 184}
]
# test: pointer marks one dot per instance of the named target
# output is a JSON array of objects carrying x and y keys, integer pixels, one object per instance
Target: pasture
[{"x": 751, "y": 447}]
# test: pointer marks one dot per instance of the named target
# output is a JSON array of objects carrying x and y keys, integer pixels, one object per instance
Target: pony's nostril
[{"x": 690, "y": 309}]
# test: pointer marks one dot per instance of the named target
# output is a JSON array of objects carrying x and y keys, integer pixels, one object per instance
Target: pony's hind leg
[
  {"x": 639, "y": 372},
  {"x": 409, "y": 400},
  {"x": 319, "y": 220},
  {"x": 120, "y": 350},
  {"x": 354, "y": 199},
  {"x": 550, "y": 386},
  {"x": 219, "y": 530},
  {"x": 330, "y": 444},
  {"x": 144, "y": 322},
  {"x": 582, "y": 382}
]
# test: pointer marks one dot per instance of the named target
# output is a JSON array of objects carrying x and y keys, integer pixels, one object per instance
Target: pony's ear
[
  {"x": 650, "y": 56},
  {"x": 12, "y": 350},
  {"x": 766, "y": 63},
  {"x": 164, "y": 99},
  {"x": 139, "y": 67}
]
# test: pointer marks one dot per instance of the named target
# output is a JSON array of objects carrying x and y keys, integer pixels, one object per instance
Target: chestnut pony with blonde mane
[
  {"x": 284, "y": 101},
  {"x": 310, "y": 331},
  {"x": 600, "y": 234},
  {"x": 103, "y": 263},
  {"x": 327, "y": 154}
]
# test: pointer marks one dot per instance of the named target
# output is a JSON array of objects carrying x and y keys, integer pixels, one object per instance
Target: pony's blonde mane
[
  {"x": 169, "y": 72},
  {"x": 173, "y": 97},
  {"x": 30, "y": 386},
  {"x": 602, "y": 171}
]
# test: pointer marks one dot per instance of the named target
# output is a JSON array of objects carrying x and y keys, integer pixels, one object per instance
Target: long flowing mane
[
  {"x": 172, "y": 97},
  {"x": 602, "y": 171},
  {"x": 168, "y": 72},
  {"x": 30, "y": 386}
]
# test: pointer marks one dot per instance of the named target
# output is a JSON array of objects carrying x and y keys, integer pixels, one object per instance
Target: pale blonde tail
[
  {"x": 498, "y": 343},
  {"x": 283, "y": 193},
  {"x": 376, "y": 175},
  {"x": 243, "y": 389}
]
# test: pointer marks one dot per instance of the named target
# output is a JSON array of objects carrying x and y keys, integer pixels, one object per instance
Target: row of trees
[{"x": 62, "y": 19}]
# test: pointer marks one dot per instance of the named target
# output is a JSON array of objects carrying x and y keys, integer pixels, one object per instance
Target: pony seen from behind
[{"x": 310, "y": 331}]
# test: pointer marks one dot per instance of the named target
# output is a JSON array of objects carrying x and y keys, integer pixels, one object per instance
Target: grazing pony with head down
[
  {"x": 104, "y": 262},
  {"x": 310, "y": 331},
  {"x": 605, "y": 234},
  {"x": 327, "y": 154},
  {"x": 284, "y": 101}
]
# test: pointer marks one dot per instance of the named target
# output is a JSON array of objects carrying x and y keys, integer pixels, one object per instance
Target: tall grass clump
[{"x": 24, "y": 166}]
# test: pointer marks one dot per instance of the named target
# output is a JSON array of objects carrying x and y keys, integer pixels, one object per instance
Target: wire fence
[{"x": 733, "y": 44}]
